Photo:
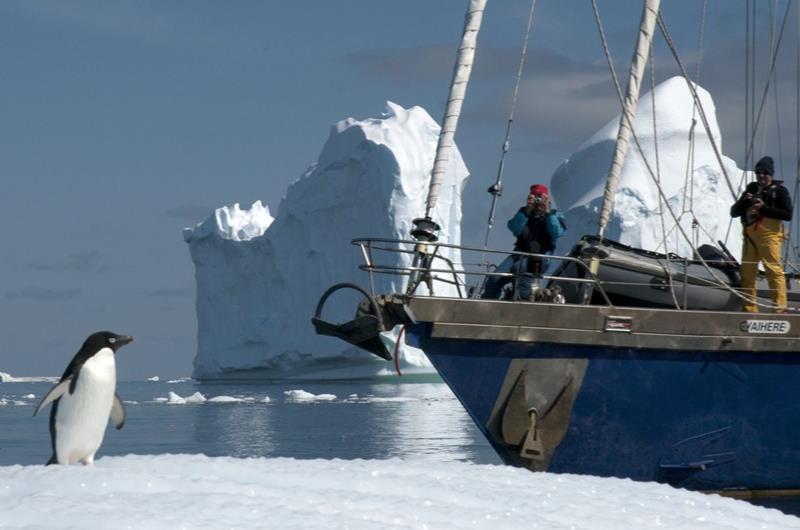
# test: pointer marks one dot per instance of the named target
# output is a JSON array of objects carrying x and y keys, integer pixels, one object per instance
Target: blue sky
[{"x": 125, "y": 121}]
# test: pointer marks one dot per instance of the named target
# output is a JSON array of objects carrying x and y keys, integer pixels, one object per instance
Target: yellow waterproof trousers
[{"x": 762, "y": 242}]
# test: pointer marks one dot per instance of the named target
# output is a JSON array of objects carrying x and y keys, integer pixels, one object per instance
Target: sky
[
  {"x": 125, "y": 121},
  {"x": 198, "y": 492}
]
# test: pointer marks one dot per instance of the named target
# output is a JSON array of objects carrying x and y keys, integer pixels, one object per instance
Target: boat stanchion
[{"x": 425, "y": 231}]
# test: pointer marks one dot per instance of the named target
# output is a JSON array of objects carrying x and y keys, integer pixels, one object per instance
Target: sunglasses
[{"x": 761, "y": 173}]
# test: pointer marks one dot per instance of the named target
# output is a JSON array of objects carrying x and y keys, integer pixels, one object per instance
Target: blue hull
[{"x": 700, "y": 420}]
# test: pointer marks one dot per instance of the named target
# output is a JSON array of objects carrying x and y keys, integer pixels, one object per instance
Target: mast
[
  {"x": 458, "y": 89},
  {"x": 425, "y": 228},
  {"x": 646, "y": 27}
]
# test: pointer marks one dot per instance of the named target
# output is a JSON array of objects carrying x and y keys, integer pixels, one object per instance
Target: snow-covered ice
[
  {"x": 259, "y": 278},
  {"x": 694, "y": 186},
  {"x": 198, "y": 492}
]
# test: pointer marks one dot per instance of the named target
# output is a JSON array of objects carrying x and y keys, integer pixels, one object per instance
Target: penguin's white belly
[{"x": 83, "y": 415}]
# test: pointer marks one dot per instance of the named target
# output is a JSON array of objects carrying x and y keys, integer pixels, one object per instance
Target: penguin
[{"x": 83, "y": 400}]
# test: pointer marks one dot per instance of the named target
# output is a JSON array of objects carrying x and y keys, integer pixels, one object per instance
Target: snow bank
[
  {"x": 259, "y": 279},
  {"x": 182, "y": 491},
  {"x": 694, "y": 186}
]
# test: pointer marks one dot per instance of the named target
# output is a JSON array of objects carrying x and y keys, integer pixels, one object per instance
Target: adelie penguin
[{"x": 84, "y": 399}]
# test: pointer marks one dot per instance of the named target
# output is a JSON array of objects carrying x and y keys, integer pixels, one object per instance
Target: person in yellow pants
[{"x": 763, "y": 207}]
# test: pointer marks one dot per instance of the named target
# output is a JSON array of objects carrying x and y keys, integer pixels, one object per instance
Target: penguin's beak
[{"x": 123, "y": 340}]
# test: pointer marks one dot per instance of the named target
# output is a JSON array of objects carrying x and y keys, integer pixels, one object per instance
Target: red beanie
[{"x": 540, "y": 189}]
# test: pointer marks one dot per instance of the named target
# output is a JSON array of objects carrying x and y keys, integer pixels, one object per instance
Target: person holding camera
[
  {"x": 763, "y": 207},
  {"x": 536, "y": 226}
]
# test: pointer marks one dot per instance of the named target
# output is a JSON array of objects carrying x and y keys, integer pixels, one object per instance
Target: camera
[
  {"x": 538, "y": 199},
  {"x": 755, "y": 197}
]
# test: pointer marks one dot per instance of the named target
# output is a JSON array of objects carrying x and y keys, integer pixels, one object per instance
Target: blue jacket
[{"x": 537, "y": 234}]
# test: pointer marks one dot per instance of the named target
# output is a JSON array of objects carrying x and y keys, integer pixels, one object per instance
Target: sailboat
[{"x": 595, "y": 377}]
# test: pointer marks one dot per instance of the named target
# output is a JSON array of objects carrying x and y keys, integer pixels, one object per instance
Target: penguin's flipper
[
  {"x": 55, "y": 393},
  {"x": 117, "y": 413}
]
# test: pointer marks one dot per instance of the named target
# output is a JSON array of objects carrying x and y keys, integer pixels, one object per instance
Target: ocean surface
[
  {"x": 377, "y": 419},
  {"x": 367, "y": 420}
]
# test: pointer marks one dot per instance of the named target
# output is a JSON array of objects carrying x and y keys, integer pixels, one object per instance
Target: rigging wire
[
  {"x": 796, "y": 220},
  {"x": 764, "y": 94},
  {"x": 772, "y": 9},
  {"x": 496, "y": 189},
  {"x": 753, "y": 46},
  {"x": 668, "y": 266},
  {"x": 778, "y": 128},
  {"x": 675, "y": 219},
  {"x": 690, "y": 164},
  {"x": 746, "y": 88},
  {"x": 668, "y": 38}
]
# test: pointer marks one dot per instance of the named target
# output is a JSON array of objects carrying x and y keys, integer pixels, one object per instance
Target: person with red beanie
[{"x": 537, "y": 227}]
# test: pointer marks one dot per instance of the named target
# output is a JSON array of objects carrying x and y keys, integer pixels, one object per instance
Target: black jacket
[{"x": 777, "y": 203}]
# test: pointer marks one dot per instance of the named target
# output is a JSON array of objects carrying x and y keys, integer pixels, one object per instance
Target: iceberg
[
  {"x": 259, "y": 278},
  {"x": 8, "y": 378},
  {"x": 689, "y": 173}
]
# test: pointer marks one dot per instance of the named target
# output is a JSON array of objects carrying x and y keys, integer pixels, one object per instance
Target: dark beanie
[{"x": 766, "y": 165}]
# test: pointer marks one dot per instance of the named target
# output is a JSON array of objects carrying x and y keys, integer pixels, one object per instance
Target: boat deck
[{"x": 618, "y": 327}]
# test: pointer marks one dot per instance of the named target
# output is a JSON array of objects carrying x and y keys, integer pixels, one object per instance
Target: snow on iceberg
[
  {"x": 578, "y": 182},
  {"x": 259, "y": 279},
  {"x": 8, "y": 378}
]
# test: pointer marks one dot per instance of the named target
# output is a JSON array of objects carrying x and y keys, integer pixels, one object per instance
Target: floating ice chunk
[
  {"x": 226, "y": 399},
  {"x": 197, "y": 397},
  {"x": 303, "y": 396},
  {"x": 154, "y": 379},
  {"x": 175, "y": 399},
  {"x": 298, "y": 395}
]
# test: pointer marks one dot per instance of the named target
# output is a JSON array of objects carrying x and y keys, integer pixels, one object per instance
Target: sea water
[{"x": 367, "y": 419}]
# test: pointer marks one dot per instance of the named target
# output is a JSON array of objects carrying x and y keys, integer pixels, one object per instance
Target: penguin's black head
[{"x": 105, "y": 339}]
